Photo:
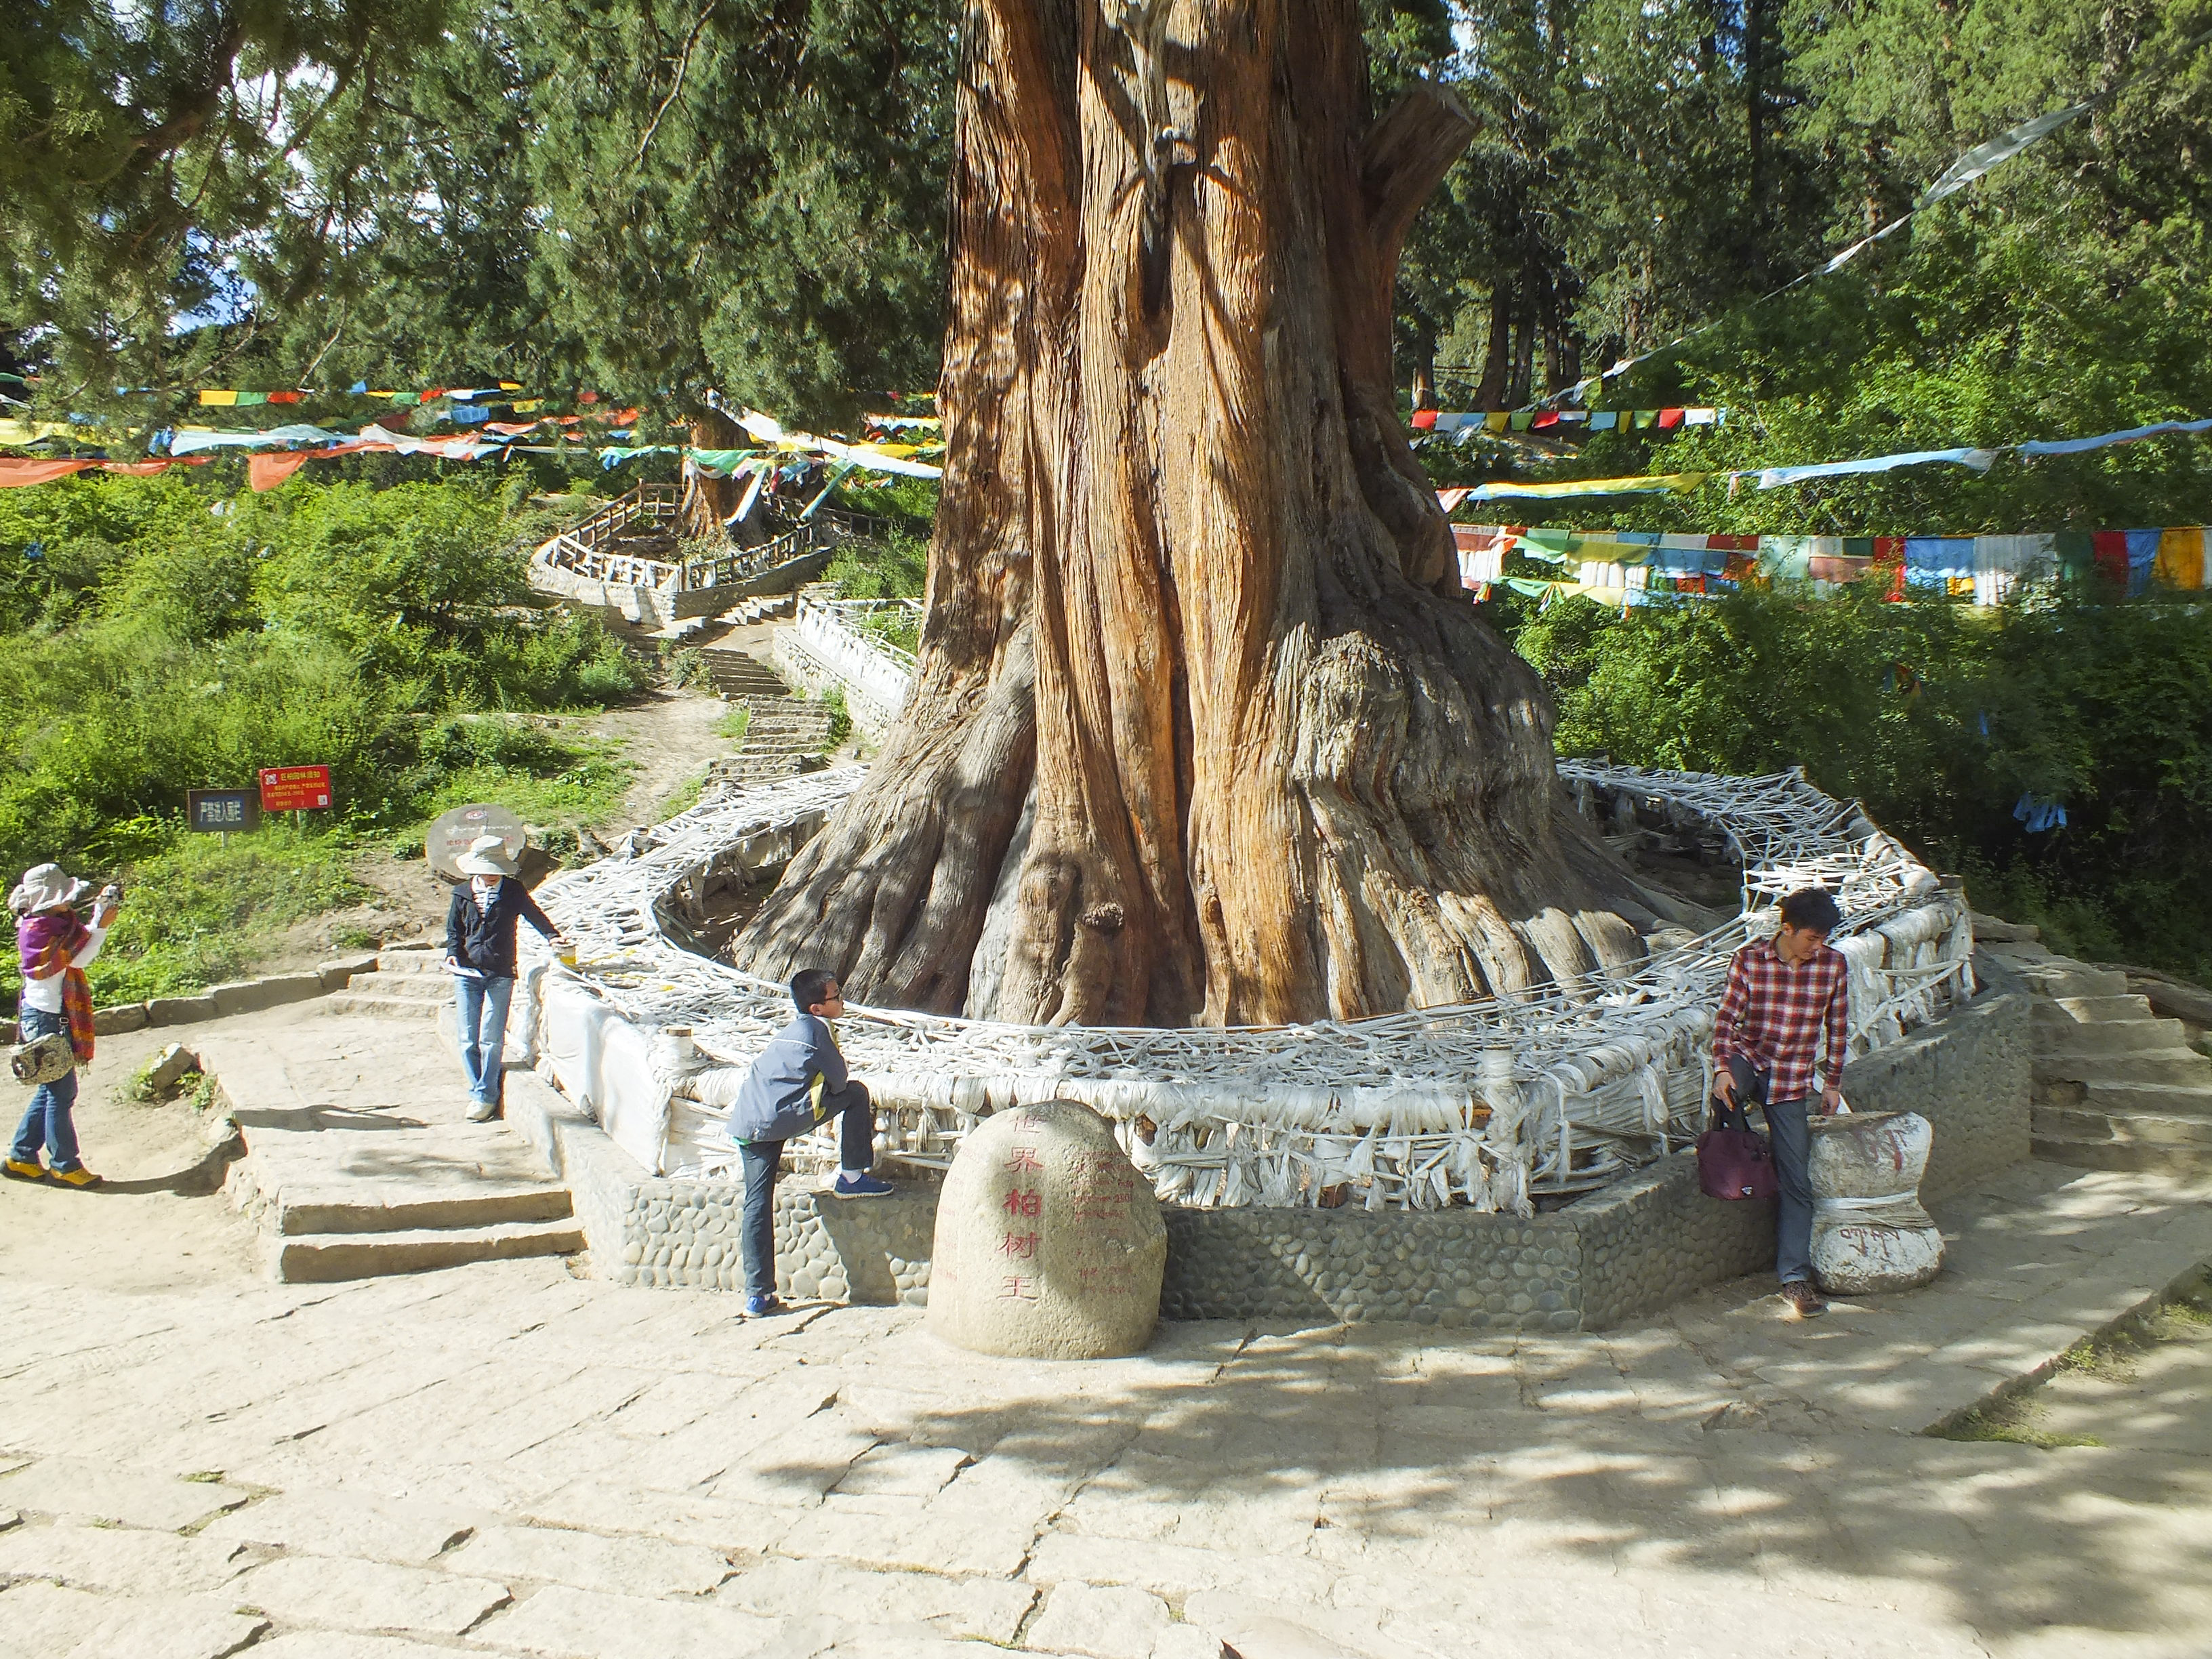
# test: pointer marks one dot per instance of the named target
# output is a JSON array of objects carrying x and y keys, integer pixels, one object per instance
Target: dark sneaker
[
  {"x": 861, "y": 1185},
  {"x": 755, "y": 1306},
  {"x": 1805, "y": 1302}
]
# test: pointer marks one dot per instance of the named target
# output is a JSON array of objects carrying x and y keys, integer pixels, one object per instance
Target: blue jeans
[
  {"x": 482, "y": 1027},
  {"x": 1791, "y": 1138},
  {"x": 856, "y": 1149},
  {"x": 47, "y": 1117}
]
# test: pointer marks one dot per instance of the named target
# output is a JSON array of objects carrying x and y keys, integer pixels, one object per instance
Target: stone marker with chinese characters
[{"x": 1049, "y": 1244}]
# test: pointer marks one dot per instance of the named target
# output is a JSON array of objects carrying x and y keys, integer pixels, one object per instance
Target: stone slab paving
[
  {"x": 511, "y": 1459},
  {"x": 343, "y": 1112}
]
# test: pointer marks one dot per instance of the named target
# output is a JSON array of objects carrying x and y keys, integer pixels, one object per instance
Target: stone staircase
[
  {"x": 2116, "y": 1086},
  {"x": 760, "y": 608},
  {"x": 410, "y": 982},
  {"x": 788, "y": 734},
  {"x": 360, "y": 1161}
]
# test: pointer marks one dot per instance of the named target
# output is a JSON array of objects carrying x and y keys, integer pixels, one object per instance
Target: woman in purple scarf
[{"x": 55, "y": 946}]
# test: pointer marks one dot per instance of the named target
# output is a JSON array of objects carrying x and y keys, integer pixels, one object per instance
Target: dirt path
[
  {"x": 668, "y": 736},
  {"x": 160, "y": 1224}
]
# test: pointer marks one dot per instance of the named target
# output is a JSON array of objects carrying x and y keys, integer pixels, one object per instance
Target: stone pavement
[
  {"x": 361, "y": 1158},
  {"x": 510, "y": 1459}
]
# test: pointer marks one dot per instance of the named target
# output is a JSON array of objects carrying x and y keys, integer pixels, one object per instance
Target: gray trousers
[{"x": 1792, "y": 1139}]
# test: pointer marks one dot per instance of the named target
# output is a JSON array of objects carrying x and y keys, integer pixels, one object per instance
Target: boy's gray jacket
[{"x": 782, "y": 1095}]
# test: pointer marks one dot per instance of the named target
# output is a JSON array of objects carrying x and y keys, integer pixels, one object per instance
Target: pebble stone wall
[
  {"x": 1455, "y": 1268},
  {"x": 1635, "y": 1246},
  {"x": 872, "y": 1250}
]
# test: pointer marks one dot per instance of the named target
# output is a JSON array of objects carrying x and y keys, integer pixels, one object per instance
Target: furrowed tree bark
[
  {"x": 1191, "y": 600},
  {"x": 708, "y": 502}
]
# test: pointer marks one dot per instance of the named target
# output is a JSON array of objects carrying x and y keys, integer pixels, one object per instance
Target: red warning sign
[{"x": 295, "y": 788}]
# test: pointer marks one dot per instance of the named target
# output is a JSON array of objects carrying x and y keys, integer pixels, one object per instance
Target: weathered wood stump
[
  {"x": 1049, "y": 1244},
  {"x": 1869, "y": 1233}
]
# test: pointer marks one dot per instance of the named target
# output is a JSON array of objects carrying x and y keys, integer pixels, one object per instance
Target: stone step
[
  {"x": 430, "y": 988},
  {"x": 2073, "y": 979},
  {"x": 2156, "y": 1097},
  {"x": 378, "y": 1006},
  {"x": 2149, "y": 1128},
  {"x": 2184, "y": 1097},
  {"x": 326, "y": 1258},
  {"x": 2090, "y": 1011},
  {"x": 428, "y": 961},
  {"x": 2122, "y": 1155},
  {"x": 2181, "y": 1066},
  {"x": 2132, "y": 1036},
  {"x": 490, "y": 1204}
]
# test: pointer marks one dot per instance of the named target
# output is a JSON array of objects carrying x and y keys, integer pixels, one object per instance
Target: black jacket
[{"x": 484, "y": 939}]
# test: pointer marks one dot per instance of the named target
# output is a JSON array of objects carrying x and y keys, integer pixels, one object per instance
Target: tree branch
[
  {"x": 1406, "y": 156},
  {"x": 683, "y": 63}
]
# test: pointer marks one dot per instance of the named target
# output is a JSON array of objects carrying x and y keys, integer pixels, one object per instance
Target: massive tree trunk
[
  {"x": 708, "y": 502},
  {"x": 1192, "y": 604}
]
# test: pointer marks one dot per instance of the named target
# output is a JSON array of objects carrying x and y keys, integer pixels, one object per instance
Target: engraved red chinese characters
[{"x": 1049, "y": 1244}]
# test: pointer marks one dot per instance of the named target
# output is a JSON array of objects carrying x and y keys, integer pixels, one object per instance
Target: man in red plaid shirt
[{"x": 1785, "y": 996}]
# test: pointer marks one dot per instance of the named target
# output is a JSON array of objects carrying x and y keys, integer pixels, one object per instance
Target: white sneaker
[{"x": 483, "y": 1111}]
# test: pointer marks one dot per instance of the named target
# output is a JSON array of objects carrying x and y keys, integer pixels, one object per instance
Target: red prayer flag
[
  {"x": 2108, "y": 552},
  {"x": 16, "y": 469},
  {"x": 1549, "y": 417},
  {"x": 1424, "y": 420},
  {"x": 1670, "y": 417},
  {"x": 283, "y": 396},
  {"x": 266, "y": 471},
  {"x": 148, "y": 469}
]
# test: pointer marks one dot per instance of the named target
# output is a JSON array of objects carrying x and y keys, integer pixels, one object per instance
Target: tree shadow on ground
[{"x": 1414, "y": 1461}]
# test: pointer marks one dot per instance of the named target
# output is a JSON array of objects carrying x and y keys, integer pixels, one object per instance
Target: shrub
[{"x": 1940, "y": 719}]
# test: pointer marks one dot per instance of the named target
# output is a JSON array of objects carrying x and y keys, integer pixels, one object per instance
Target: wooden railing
[
  {"x": 588, "y": 549},
  {"x": 655, "y": 503}
]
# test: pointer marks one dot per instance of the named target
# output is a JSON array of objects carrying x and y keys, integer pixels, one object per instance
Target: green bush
[
  {"x": 167, "y": 638},
  {"x": 197, "y": 912},
  {"x": 1940, "y": 717},
  {"x": 896, "y": 567}
]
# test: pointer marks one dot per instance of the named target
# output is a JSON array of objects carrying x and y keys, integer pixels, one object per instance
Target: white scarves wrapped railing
[
  {"x": 1491, "y": 1103},
  {"x": 873, "y": 672}
]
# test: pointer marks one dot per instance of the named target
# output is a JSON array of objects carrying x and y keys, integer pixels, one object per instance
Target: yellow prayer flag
[
  {"x": 2181, "y": 561},
  {"x": 525, "y": 406},
  {"x": 510, "y": 386},
  {"x": 225, "y": 398},
  {"x": 29, "y": 432},
  {"x": 1495, "y": 420}
]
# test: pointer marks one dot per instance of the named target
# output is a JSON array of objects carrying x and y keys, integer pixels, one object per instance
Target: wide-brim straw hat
[
  {"x": 45, "y": 887},
  {"x": 487, "y": 856}
]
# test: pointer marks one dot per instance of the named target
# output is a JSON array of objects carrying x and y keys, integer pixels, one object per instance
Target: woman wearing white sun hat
[
  {"x": 480, "y": 955},
  {"x": 55, "y": 946}
]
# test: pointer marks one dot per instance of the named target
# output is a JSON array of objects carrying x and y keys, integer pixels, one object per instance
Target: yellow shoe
[
  {"x": 23, "y": 1171},
  {"x": 80, "y": 1176}
]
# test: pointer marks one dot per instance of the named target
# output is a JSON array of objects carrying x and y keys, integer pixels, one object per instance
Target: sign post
[
  {"x": 219, "y": 811},
  {"x": 296, "y": 789}
]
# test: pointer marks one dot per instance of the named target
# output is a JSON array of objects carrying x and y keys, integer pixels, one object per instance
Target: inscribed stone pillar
[
  {"x": 1869, "y": 1233},
  {"x": 1049, "y": 1244}
]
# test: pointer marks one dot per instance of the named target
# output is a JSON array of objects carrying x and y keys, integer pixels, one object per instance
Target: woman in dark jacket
[{"x": 480, "y": 956}]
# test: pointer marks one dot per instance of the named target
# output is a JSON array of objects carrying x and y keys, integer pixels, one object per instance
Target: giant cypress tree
[{"x": 1192, "y": 604}]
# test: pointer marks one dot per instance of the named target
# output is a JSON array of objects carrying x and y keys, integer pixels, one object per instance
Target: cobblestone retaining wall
[
  {"x": 1636, "y": 1246},
  {"x": 1455, "y": 1268},
  {"x": 1968, "y": 1074}
]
